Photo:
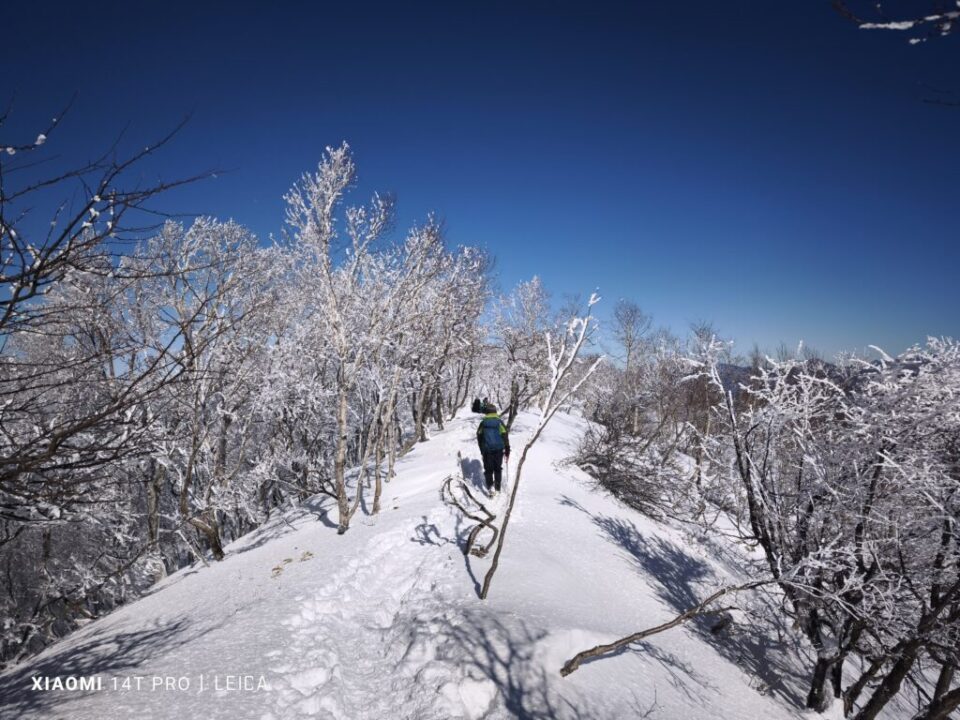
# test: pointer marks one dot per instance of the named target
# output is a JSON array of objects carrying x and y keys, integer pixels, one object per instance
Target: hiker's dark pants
[{"x": 493, "y": 468}]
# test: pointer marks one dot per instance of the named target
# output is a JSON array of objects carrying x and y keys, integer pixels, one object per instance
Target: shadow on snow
[
  {"x": 763, "y": 647},
  {"x": 104, "y": 655},
  {"x": 486, "y": 647}
]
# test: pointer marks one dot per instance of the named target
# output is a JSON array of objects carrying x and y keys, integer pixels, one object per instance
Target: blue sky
[{"x": 765, "y": 166}]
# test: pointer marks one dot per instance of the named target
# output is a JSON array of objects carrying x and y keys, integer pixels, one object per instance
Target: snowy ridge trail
[
  {"x": 385, "y": 622},
  {"x": 346, "y": 642},
  {"x": 377, "y": 634}
]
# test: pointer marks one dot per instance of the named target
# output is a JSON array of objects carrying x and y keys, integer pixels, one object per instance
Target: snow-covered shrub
[
  {"x": 624, "y": 463},
  {"x": 651, "y": 425},
  {"x": 851, "y": 481}
]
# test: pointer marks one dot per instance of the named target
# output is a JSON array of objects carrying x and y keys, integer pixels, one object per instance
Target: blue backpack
[{"x": 492, "y": 439}]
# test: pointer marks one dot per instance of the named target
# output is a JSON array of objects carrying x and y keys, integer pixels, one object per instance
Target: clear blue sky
[{"x": 766, "y": 166}]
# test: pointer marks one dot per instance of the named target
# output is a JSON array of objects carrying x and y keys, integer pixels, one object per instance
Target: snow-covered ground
[{"x": 385, "y": 621}]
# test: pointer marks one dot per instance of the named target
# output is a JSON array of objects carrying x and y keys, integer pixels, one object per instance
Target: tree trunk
[
  {"x": 393, "y": 439},
  {"x": 208, "y": 526},
  {"x": 852, "y": 693},
  {"x": 154, "y": 490},
  {"x": 363, "y": 475},
  {"x": 439, "y": 410},
  {"x": 154, "y": 487},
  {"x": 944, "y": 680},
  {"x": 514, "y": 405},
  {"x": 383, "y": 433},
  {"x": 340, "y": 461},
  {"x": 463, "y": 387},
  {"x": 890, "y": 685},
  {"x": 940, "y": 709},
  {"x": 377, "y": 460},
  {"x": 818, "y": 698},
  {"x": 699, "y": 474},
  {"x": 422, "y": 404},
  {"x": 836, "y": 677},
  {"x": 220, "y": 466}
]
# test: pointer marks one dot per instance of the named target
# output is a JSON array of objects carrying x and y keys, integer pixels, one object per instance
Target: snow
[
  {"x": 385, "y": 622},
  {"x": 895, "y": 25},
  {"x": 943, "y": 18}
]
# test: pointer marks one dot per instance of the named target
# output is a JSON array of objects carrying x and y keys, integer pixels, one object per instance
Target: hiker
[{"x": 494, "y": 446}]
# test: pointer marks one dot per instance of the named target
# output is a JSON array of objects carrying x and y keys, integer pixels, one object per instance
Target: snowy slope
[{"x": 385, "y": 622}]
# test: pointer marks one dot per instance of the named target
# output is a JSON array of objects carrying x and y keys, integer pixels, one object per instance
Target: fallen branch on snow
[
  {"x": 448, "y": 496},
  {"x": 696, "y": 611}
]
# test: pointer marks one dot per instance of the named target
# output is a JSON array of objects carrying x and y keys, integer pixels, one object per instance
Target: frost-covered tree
[
  {"x": 77, "y": 383},
  {"x": 163, "y": 400},
  {"x": 847, "y": 477},
  {"x": 336, "y": 311},
  {"x": 208, "y": 293},
  {"x": 850, "y": 480},
  {"x": 71, "y": 395},
  {"x": 167, "y": 388},
  {"x": 372, "y": 321},
  {"x": 516, "y": 373},
  {"x": 631, "y": 328}
]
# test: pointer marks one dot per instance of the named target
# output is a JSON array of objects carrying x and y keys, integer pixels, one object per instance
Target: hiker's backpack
[{"x": 491, "y": 435}]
